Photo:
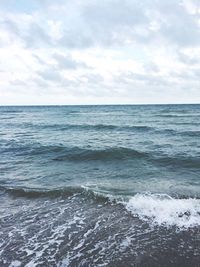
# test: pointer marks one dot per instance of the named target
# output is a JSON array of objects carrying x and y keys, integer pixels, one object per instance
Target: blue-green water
[{"x": 81, "y": 185}]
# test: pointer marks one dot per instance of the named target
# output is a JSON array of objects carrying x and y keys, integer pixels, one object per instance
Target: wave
[
  {"x": 161, "y": 209},
  {"x": 6, "y": 111},
  {"x": 62, "y": 153},
  {"x": 83, "y": 127},
  {"x": 65, "y": 192},
  {"x": 178, "y": 161},
  {"x": 77, "y": 154},
  {"x": 116, "y": 127},
  {"x": 114, "y": 153},
  {"x": 191, "y": 123},
  {"x": 177, "y": 116},
  {"x": 108, "y": 127},
  {"x": 113, "y": 127},
  {"x": 190, "y": 133},
  {"x": 155, "y": 209},
  {"x": 32, "y": 193}
]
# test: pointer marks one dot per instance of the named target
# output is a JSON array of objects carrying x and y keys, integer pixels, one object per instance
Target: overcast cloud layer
[{"x": 99, "y": 52}]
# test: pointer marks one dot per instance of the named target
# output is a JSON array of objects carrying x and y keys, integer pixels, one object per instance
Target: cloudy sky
[{"x": 99, "y": 51}]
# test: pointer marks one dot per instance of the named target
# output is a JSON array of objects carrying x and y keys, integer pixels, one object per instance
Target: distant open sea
[{"x": 100, "y": 186}]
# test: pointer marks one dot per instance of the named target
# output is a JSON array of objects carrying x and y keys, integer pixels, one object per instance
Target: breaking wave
[
  {"x": 156, "y": 209},
  {"x": 65, "y": 192},
  {"x": 162, "y": 209}
]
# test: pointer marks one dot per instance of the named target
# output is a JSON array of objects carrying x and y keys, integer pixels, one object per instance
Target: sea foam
[{"x": 162, "y": 209}]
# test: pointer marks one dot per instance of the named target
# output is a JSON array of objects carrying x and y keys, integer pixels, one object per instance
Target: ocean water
[{"x": 100, "y": 186}]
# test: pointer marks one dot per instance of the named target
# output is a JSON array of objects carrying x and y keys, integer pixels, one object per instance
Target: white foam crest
[
  {"x": 15, "y": 263},
  {"x": 162, "y": 209}
]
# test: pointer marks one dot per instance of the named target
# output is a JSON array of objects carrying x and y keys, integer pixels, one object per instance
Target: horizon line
[{"x": 126, "y": 104}]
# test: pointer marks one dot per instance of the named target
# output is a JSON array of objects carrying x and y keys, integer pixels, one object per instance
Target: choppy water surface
[{"x": 100, "y": 186}]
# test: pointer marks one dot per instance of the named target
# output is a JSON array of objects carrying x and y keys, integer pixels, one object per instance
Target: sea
[{"x": 91, "y": 186}]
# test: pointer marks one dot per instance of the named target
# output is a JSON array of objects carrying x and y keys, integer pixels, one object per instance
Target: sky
[{"x": 99, "y": 52}]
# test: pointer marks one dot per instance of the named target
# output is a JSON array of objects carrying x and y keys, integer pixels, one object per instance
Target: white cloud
[{"x": 112, "y": 51}]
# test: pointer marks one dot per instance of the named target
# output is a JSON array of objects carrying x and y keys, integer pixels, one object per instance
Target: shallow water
[{"x": 100, "y": 186}]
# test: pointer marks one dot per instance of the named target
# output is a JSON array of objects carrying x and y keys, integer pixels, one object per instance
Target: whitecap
[{"x": 162, "y": 209}]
